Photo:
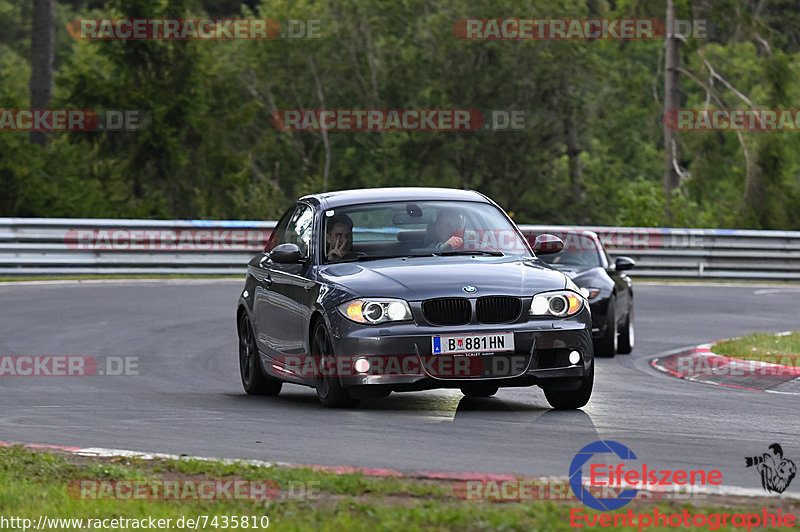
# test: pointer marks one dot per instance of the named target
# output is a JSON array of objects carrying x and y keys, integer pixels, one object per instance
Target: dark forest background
[{"x": 594, "y": 153}]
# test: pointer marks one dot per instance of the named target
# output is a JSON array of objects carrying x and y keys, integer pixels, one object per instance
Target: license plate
[{"x": 473, "y": 343}]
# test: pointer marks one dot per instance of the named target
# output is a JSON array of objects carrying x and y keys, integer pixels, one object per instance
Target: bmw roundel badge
[{"x": 469, "y": 289}]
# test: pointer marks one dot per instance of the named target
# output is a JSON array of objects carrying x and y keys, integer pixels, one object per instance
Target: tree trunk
[
  {"x": 672, "y": 88},
  {"x": 571, "y": 138},
  {"x": 43, "y": 38}
]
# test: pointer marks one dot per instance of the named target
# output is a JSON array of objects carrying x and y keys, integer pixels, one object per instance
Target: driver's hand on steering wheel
[{"x": 454, "y": 242}]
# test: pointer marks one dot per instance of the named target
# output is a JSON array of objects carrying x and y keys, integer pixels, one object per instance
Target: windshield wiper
[
  {"x": 432, "y": 254},
  {"x": 493, "y": 253},
  {"x": 382, "y": 257}
]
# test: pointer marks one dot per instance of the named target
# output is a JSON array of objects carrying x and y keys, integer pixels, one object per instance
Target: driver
[
  {"x": 339, "y": 238},
  {"x": 449, "y": 230}
]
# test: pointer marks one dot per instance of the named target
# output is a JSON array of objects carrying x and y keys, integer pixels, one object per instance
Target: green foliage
[
  {"x": 209, "y": 149},
  {"x": 783, "y": 349},
  {"x": 34, "y": 484}
]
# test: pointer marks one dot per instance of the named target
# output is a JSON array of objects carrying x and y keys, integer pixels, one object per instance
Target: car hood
[
  {"x": 419, "y": 278},
  {"x": 590, "y": 278},
  {"x": 577, "y": 273}
]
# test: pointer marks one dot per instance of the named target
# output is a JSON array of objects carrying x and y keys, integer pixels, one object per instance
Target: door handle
[{"x": 261, "y": 278}]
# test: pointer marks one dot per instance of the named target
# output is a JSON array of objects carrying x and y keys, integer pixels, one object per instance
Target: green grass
[
  {"x": 784, "y": 350},
  {"x": 114, "y": 276},
  {"x": 34, "y": 483}
]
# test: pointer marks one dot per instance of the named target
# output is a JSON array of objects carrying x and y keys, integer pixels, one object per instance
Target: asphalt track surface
[{"x": 187, "y": 397}]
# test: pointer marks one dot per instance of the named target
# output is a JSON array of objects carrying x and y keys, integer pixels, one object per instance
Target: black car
[
  {"x": 604, "y": 283},
  {"x": 364, "y": 292}
]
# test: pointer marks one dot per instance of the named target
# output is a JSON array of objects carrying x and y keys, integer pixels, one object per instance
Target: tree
[
  {"x": 672, "y": 93},
  {"x": 43, "y": 38}
]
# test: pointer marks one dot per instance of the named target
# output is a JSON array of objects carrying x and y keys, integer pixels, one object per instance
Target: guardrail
[
  {"x": 702, "y": 253},
  {"x": 61, "y": 246},
  {"x": 72, "y": 246}
]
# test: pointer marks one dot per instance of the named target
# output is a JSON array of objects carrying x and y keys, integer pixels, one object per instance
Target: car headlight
[
  {"x": 374, "y": 311},
  {"x": 590, "y": 293},
  {"x": 559, "y": 304}
]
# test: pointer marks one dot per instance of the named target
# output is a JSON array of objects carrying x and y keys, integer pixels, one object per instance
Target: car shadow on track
[
  {"x": 534, "y": 422},
  {"x": 463, "y": 408},
  {"x": 471, "y": 410},
  {"x": 301, "y": 397}
]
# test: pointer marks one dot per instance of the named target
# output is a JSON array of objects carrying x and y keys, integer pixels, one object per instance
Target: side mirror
[
  {"x": 286, "y": 254},
  {"x": 545, "y": 244},
  {"x": 624, "y": 263}
]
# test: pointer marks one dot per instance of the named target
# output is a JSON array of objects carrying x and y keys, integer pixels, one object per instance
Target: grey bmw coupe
[{"x": 360, "y": 293}]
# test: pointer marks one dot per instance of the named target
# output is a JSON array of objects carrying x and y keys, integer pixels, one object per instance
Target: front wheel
[
  {"x": 626, "y": 336},
  {"x": 329, "y": 390},
  {"x": 254, "y": 381},
  {"x": 570, "y": 400},
  {"x": 606, "y": 345}
]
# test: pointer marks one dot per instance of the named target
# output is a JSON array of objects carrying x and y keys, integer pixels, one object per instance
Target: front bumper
[
  {"x": 540, "y": 356},
  {"x": 599, "y": 308}
]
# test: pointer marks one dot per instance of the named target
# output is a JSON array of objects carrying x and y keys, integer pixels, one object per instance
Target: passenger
[{"x": 339, "y": 238}]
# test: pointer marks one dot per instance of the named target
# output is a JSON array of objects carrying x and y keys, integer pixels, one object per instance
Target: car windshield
[
  {"x": 580, "y": 252},
  {"x": 418, "y": 228}
]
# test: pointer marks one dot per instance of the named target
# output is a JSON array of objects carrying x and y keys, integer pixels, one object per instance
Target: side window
[
  {"x": 277, "y": 236},
  {"x": 299, "y": 229}
]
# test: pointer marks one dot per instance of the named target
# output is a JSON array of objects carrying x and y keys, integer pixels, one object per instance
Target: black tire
[
  {"x": 254, "y": 381},
  {"x": 329, "y": 389},
  {"x": 626, "y": 335},
  {"x": 570, "y": 400},
  {"x": 606, "y": 345},
  {"x": 479, "y": 390}
]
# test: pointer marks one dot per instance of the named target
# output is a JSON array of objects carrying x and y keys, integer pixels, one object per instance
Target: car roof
[{"x": 374, "y": 195}]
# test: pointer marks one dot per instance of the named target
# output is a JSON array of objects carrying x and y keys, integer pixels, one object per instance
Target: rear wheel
[
  {"x": 626, "y": 335},
  {"x": 254, "y": 381},
  {"x": 479, "y": 390},
  {"x": 570, "y": 400},
  {"x": 329, "y": 389},
  {"x": 606, "y": 345}
]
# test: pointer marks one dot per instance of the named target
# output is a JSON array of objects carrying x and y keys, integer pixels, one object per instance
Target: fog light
[
  {"x": 361, "y": 365},
  {"x": 574, "y": 357}
]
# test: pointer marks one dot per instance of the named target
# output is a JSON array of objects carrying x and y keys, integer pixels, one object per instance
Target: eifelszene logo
[
  {"x": 576, "y": 475},
  {"x": 776, "y": 471},
  {"x": 629, "y": 480}
]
